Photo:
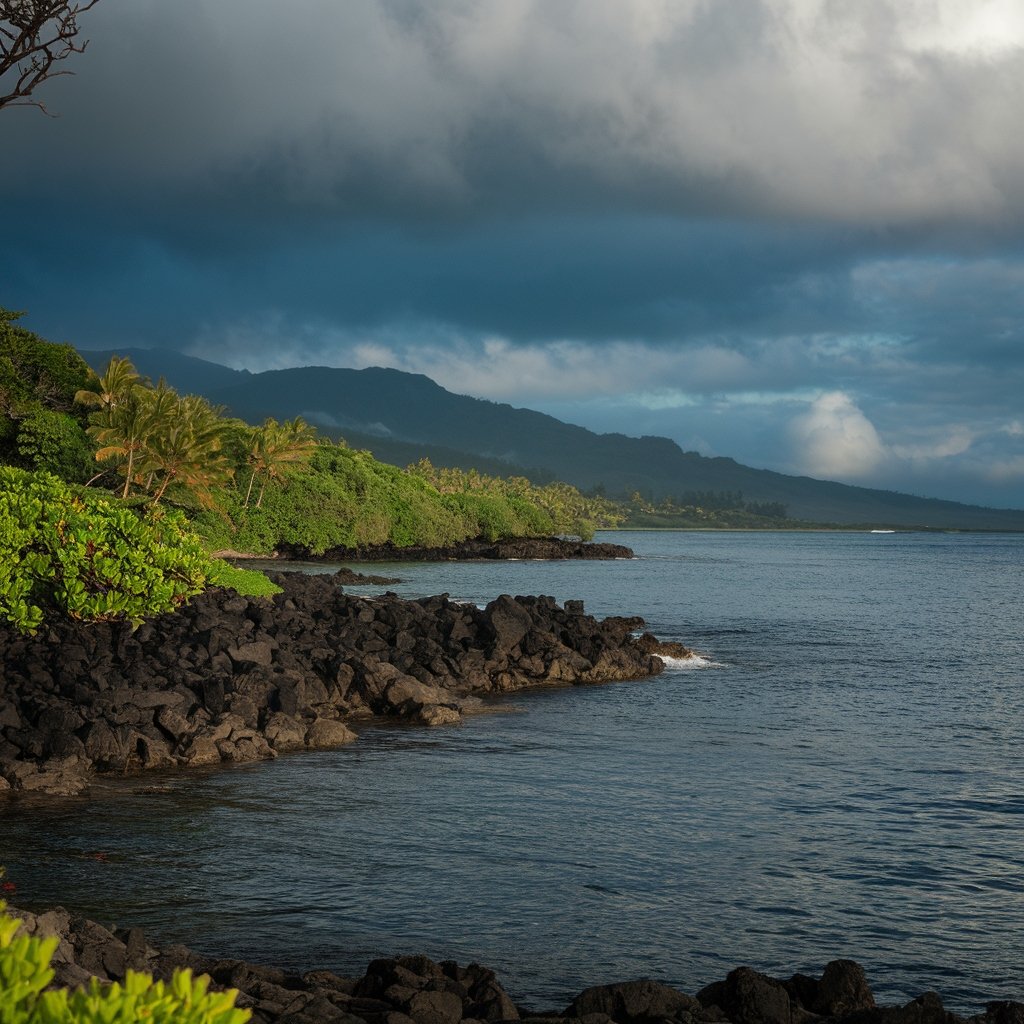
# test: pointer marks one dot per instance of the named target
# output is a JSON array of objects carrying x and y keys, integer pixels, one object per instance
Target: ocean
[{"x": 838, "y": 775}]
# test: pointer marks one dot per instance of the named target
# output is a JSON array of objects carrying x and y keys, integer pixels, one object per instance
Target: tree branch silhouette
[{"x": 35, "y": 37}]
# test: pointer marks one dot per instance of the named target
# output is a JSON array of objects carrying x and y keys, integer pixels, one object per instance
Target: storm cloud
[{"x": 790, "y": 231}]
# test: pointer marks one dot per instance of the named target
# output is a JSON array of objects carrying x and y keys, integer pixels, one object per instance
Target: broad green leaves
[
  {"x": 25, "y": 972},
  {"x": 88, "y": 557}
]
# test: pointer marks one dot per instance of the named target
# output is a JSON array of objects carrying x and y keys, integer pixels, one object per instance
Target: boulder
[
  {"x": 925, "y": 1009},
  {"x": 109, "y": 747},
  {"x": 437, "y": 714},
  {"x": 431, "y": 1007},
  {"x": 325, "y": 732},
  {"x": 256, "y": 652},
  {"x": 200, "y": 750},
  {"x": 486, "y": 1000},
  {"x": 747, "y": 997},
  {"x": 1000, "y": 1012},
  {"x": 284, "y": 732},
  {"x": 509, "y": 620},
  {"x": 634, "y": 1002},
  {"x": 406, "y": 694},
  {"x": 52, "y": 783},
  {"x": 843, "y": 989}
]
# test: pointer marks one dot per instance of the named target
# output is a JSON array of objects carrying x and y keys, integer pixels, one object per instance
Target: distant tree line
[{"x": 688, "y": 502}]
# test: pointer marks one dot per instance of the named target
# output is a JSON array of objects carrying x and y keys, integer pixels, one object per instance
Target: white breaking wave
[{"x": 693, "y": 662}]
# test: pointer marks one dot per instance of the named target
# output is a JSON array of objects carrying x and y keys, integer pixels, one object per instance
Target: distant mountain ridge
[{"x": 401, "y": 417}]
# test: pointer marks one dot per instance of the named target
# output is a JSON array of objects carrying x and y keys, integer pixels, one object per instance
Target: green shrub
[
  {"x": 342, "y": 498},
  {"x": 25, "y": 972},
  {"x": 88, "y": 557},
  {"x": 35, "y": 370},
  {"x": 55, "y": 442},
  {"x": 248, "y": 582}
]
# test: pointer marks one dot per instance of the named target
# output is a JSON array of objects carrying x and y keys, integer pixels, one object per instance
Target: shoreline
[
  {"x": 231, "y": 679},
  {"x": 472, "y": 550},
  {"x": 413, "y": 989}
]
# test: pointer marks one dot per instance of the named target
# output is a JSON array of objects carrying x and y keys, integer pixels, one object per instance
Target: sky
[{"x": 786, "y": 231}]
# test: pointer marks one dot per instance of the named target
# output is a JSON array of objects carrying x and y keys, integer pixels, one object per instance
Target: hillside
[{"x": 400, "y": 416}]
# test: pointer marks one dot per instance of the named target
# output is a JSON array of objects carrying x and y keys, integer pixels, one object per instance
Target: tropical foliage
[
  {"x": 153, "y": 437},
  {"x": 244, "y": 487},
  {"x": 707, "y": 510},
  {"x": 54, "y": 442},
  {"x": 245, "y": 581},
  {"x": 25, "y": 973},
  {"x": 551, "y": 508},
  {"x": 345, "y": 498},
  {"x": 40, "y": 427},
  {"x": 275, "y": 450},
  {"x": 87, "y": 556}
]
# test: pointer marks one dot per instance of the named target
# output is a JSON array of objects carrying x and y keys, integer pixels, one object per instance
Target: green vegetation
[
  {"x": 25, "y": 972},
  {"x": 551, "y": 508},
  {"x": 40, "y": 425},
  {"x": 92, "y": 558},
  {"x": 247, "y": 582},
  {"x": 345, "y": 498},
  {"x": 274, "y": 451},
  {"x": 708, "y": 510},
  {"x": 87, "y": 556},
  {"x": 154, "y": 438},
  {"x": 257, "y": 489},
  {"x": 112, "y": 489}
]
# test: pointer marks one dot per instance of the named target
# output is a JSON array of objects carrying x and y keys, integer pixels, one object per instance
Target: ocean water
[{"x": 840, "y": 774}]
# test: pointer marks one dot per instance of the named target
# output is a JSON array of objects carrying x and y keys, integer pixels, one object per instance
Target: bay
[{"x": 838, "y": 775}]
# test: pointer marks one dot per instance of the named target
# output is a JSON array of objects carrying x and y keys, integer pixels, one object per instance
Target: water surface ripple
[{"x": 844, "y": 780}]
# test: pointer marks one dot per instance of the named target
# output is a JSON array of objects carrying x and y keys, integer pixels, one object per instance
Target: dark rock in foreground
[
  {"x": 416, "y": 990},
  {"x": 525, "y": 548},
  {"x": 229, "y": 678}
]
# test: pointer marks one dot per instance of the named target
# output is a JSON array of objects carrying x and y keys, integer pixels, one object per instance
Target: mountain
[
  {"x": 401, "y": 417},
  {"x": 186, "y": 374}
]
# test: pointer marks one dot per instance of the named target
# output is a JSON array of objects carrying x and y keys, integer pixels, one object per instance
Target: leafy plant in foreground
[
  {"x": 88, "y": 557},
  {"x": 25, "y": 972}
]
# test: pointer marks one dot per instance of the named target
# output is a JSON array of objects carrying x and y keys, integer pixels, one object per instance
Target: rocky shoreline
[
  {"x": 416, "y": 990},
  {"x": 523, "y": 548},
  {"x": 230, "y": 678}
]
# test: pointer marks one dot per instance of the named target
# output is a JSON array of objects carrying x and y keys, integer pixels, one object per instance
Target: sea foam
[{"x": 693, "y": 662}]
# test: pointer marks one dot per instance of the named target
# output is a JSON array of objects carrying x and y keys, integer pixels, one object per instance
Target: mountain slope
[
  {"x": 405, "y": 415},
  {"x": 186, "y": 374}
]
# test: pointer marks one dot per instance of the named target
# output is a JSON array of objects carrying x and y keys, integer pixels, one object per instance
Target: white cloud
[{"x": 835, "y": 440}]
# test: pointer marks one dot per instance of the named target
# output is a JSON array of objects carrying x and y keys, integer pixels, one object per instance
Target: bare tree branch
[{"x": 36, "y": 35}]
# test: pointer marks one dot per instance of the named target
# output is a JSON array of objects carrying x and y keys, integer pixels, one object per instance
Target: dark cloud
[
  {"x": 888, "y": 112},
  {"x": 724, "y": 222}
]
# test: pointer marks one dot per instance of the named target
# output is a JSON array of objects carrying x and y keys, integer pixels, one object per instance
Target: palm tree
[
  {"x": 121, "y": 430},
  {"x": 117, "y": 383},
  {"x": 275, "y": 449},
  {"x": 184, "y": 445}
]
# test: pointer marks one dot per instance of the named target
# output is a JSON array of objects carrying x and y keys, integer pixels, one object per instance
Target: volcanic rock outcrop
[
  {"x": 230, "y": 678},
  {"x": 547, "y": 548}
]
